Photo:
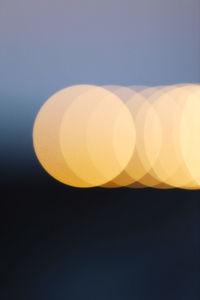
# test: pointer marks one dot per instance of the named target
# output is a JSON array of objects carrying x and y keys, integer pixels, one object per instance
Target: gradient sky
[{"x": 48, "y": 45}]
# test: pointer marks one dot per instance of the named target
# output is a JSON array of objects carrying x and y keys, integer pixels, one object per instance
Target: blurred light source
[{"x": 113, "y": 136}]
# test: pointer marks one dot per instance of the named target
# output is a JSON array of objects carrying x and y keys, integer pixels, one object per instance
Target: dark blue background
[{"x": 63, "y": 243}]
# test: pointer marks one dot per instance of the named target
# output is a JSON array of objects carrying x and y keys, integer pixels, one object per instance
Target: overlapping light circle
[{"x": 113, "y": 136}]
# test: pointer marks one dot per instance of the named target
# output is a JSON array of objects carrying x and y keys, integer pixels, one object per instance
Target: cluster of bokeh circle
[{"x": 113, "y": 136}]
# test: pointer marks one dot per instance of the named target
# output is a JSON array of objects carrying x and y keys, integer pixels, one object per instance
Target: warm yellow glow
[
  {"x": 46, "y": 135},
  {"x": 97, "y": 136},
  {"x": 125, "y": 94},
  {"x": 190, "y": 134},
  {"x": 114, "y": 136}
]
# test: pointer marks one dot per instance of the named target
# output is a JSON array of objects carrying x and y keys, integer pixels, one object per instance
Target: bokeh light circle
[{"x": 113, "y": 136}]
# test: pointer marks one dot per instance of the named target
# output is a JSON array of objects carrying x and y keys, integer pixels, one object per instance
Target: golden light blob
[
  {"x": 181, "y": 177},
  {"x": 46, "y": 139},
  {"x": 167, "y": 162},
  {"x": 97, "y": 136},
  {"x": 113, "y": 136},
  {"x": 190, "y": 134},
  {"x": 150, "y": 122},
  {"x": 139, "y": 164},
  {"x": 123, "y": 179}
]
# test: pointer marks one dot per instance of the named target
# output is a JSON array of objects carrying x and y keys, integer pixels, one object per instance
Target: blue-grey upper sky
[{"x": 46, "y": 45}]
